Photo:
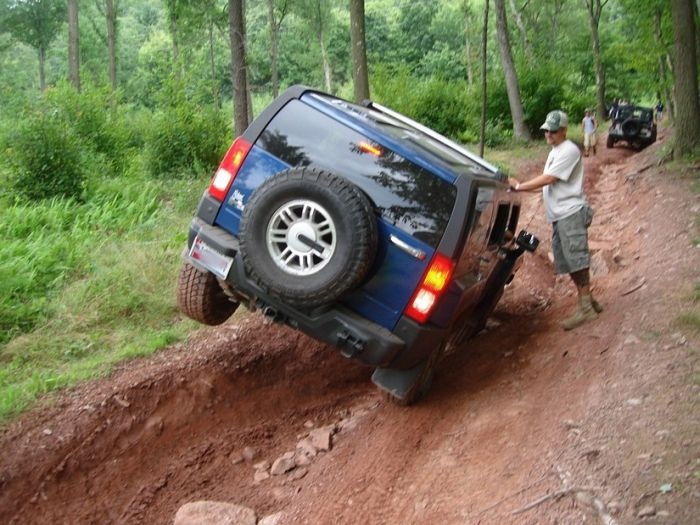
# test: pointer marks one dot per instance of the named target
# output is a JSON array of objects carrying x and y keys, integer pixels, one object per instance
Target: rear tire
[
  {"x": 422, "y": 385},
  {"x": 200, "y": 297},
  {"x": 611, "y": 141}
]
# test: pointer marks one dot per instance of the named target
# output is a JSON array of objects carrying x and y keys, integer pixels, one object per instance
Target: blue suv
[{"x": 359, "y": 227}]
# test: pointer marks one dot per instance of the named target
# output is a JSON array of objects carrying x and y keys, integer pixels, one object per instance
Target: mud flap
[{"x": 399, "y": 383}]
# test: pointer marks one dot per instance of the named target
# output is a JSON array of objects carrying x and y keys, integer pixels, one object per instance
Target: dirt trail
[{"x": 524, "y": 411}]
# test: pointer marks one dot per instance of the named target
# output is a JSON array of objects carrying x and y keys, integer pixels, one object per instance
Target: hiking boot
[
  {"x": 595, "y": 304},
  {"x": 583, "y": 314}
]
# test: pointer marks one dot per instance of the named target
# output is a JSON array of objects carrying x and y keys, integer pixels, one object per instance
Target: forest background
[{"x": 114, "y": 113}]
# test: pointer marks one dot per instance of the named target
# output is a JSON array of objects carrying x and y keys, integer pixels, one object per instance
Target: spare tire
[
  {"x": 631, "y": 127},
  {"x": 308, "y": 237}
]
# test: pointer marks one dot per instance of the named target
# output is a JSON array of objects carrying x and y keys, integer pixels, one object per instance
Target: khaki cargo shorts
[
  {"x": 589, "y": 140},
  {"x": 570, "y": 241}
]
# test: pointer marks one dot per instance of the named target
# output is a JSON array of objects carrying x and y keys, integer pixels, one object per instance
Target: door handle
[{"x": 413, "y": 252}]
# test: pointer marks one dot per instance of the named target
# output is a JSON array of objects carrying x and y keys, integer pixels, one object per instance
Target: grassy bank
[{"x": 87, "y": 285}]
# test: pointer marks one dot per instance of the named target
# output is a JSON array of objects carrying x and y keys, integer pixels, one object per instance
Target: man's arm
[{"x": 533, "y": 184}]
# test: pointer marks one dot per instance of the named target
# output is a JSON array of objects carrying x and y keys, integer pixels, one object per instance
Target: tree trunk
[
  {"x": 111, "y": 18},
  {"x": 173, "y": 34},
  {"x": 324, "y": 60},
  {"x": 212, "y": 67},
  {"x": 42, "y": 68},
  {"x": 274, "y": 51},
  {"x": 520, "y": 130},
  {"x": 239, "y": 79},
  {"x": 672, "y": 95},
  {"x": 517, "y": 16},
  {"x": 595, "y": 7},
  {"x": 685, "y": 61},
  {"x": 73, "y": 45},
  {"x": 484, "y": 45},
  {"x": 667, "y": 96},
  {"x": 360, "y": 78},
  {"x": 468, "y": 47}
]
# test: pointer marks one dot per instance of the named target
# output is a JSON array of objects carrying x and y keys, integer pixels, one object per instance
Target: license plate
[{"x": 208, "y": 257}]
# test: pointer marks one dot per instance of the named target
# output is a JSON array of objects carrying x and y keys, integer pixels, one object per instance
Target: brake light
[
  {"x": 431, "y": 288},
  {"x": 228, "y": 169}
]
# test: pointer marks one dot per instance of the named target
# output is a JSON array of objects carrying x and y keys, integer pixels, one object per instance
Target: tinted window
[{"x": 404, "y": 194}]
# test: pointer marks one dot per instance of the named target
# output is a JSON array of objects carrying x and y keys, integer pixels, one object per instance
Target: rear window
[
  {"x": 625, "y": 112},
  {"x": 405, "y": 195},
  {"x": 406, "y": 133}
]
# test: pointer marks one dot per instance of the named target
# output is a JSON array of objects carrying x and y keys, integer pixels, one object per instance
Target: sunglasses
[{"x": 551, "y": 132}]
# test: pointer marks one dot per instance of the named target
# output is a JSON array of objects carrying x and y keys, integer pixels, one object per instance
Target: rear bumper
[{"x": 354, "y": 336}]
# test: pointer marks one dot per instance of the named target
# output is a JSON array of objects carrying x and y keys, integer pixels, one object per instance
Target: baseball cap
[{"x": 555, "y": 119}]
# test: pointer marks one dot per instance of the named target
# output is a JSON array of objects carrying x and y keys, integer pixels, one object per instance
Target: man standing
[
  {"x": 589, "y": 126},
  {"x": 659, "y": 111},
  {"x": 568, "y": 212}
]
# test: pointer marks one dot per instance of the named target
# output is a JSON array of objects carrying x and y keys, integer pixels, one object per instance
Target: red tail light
[
  {"x": 431, "y": 288},
  {"x": 228, "y": 169}
]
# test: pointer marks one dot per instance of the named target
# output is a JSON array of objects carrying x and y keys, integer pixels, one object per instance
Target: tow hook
[
  {"x": 349, "y": 344},
  {"x": 273, "y": 314}
]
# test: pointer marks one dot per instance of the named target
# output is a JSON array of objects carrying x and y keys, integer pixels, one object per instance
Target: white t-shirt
[
  {"x": 588, "y": 125},
  {"x": 565, "y": 196}
]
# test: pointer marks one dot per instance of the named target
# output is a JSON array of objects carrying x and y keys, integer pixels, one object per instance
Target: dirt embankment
[{"x": 527, "y": 424}]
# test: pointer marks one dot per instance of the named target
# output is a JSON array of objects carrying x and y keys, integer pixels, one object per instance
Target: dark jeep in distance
[
  {"x": 633, "y": 125},
  {"x": 358, "y": 227}
]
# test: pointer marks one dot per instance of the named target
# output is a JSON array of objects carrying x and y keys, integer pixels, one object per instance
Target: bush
[
  {"x": 88, "y": 111},
  {"x": 44, "y": 157},
  {"x": 49, "y": 243},
  {"x": 186, "y": 138},
  {"x": 439, "y": 104}
]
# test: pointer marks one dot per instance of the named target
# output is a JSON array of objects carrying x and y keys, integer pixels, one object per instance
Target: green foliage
[
  {"x": 66, "y": 140},
  {"x": 45, "y": 158},
  {"x": 48, "y": 243},
  {"x": 88, "y": 111},
  {"x": 83, "y": 286},
  {"x": 449, "y": 107},
  {"x": 34, "y": 22},
  {"x": 415, "y": 19},
  {"x": 436, "y": 103},
  {"x": 543, "y": 89},
  {"x": 186, "y": 137},
  {"x": 101, "y": 130}
]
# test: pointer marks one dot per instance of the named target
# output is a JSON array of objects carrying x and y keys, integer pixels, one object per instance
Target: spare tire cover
[{"x": 631, "y": 127}]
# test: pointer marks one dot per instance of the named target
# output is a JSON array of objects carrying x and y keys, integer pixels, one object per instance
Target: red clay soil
[{"x": 526, "y": 424}]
